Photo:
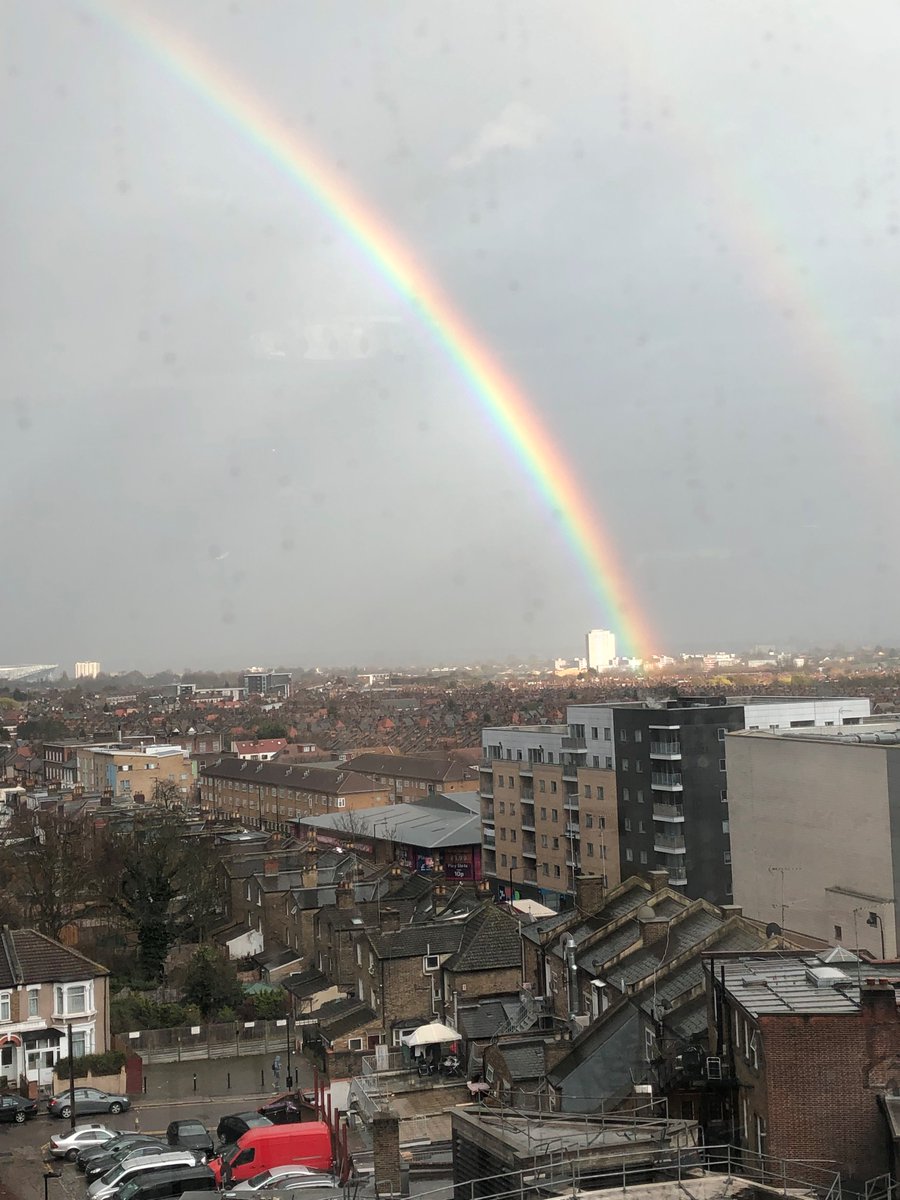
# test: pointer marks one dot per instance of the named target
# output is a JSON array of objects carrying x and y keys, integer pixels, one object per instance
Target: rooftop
[
  {"x": 799, "y": 982},
  {"x": 417, "y": 823},
  {"x": 875, "y": 733}
]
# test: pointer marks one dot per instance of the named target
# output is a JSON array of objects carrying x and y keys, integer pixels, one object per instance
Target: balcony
[
  {"x": 573, "y": 829},
  {"x": 574, "y": 743},
  {"x": 489, "y": 839},
  {"x": 665, "y": 750},
  {"x": 668, "y": 843},
  {"x": 668, "y": 812},
  {"x": 571, "y": 802},
  {"x": 570, "y": 769},
  {"x": 529, "y": 849},
  {"x": 666, "y": 781},
  {"x": 528, "y": 823},
  {"x": 527, "y": 795},
  {"x": 488, "y": 764},
  {"x": 574, "y": 862},
  {"x": 486, "y": 787},
  {"x": 677, "y": 877},
  {"x": 487, "y": 814},
  {"x": 526, "y": 768}
]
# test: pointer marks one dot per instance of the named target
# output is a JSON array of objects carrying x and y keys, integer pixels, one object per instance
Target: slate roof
[
  {"x": 490, "y": 940},
  {"x": 525, "y": 1059},
  {"x": 304, "y": 984},
  {"x": 276, "y": 955},
  {"x": 27, "y": 956},
  {"x": 482, "y": 1020},
  {"x": 301, "y": 778},
  {"x": 408, "y": 766},
  {"x": 413, "y": 940},
  {"x": 340, "y": 1017}
]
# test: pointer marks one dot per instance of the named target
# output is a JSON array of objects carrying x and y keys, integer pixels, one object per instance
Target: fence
[{"x": 229, "y": 1039}]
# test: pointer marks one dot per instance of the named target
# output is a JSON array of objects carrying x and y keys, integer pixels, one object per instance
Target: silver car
[
  {"x": 70, "y": 1144},
  {"x": 107, "y": 1184},
  {"x": 283, "y": 1179}
]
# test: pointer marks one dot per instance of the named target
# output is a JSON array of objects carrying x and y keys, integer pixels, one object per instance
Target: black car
[
  {"x": 289, "y": 1108},
  {"x": 113, "y": 1147},
  {"x": 101, "y": 1163},
  {"x": 17, "y": 1108},
  {"x": 231, "y": 1127},
  {"x": 191, "y": 1135}
]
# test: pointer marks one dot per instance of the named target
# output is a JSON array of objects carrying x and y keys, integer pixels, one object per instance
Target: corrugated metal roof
[{"x": 798, "y": 983}]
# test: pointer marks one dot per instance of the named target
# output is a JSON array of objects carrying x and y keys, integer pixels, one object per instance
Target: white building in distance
[
  {"x": 601, "y": 649},
  {"x": 87, "y": 670}
]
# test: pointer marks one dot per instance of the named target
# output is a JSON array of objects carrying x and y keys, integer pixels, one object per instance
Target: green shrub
[{"x": 109, "y": 1063}]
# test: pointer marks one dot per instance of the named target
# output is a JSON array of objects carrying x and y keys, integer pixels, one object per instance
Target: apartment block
[
  {"x": 815, "y": 831},
  {"x": 643, "y": 785},
  {"x": 121, "y": 771}
]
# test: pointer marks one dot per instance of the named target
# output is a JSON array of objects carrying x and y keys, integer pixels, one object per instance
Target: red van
[{"x": 267, "y": 1146}]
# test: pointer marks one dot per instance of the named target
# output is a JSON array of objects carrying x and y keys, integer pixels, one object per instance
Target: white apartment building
[
  {"x": 601, "y": 649},
  {"x": 87, "y": 670}
]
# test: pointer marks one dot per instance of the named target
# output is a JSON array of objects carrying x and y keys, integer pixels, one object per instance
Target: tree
[
  {"x": 211, "y": 982},
  {"x": 47, "y": 865},
  {"x": 271, "y": 729},
  {"x": 167, "y": 794}
]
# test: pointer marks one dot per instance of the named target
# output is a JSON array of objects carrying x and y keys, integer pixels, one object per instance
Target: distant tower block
[
  {"x": 601, "y": 649},
  {"x": 87, "y": 670}
]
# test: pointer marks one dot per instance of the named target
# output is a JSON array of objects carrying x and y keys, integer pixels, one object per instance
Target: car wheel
[
  {"x": 19, "y": 1118},
  {"x": 115, "y": 1108},
  {"x": 71, "y": 1155},
  {"x": 65, "y": 1111}
]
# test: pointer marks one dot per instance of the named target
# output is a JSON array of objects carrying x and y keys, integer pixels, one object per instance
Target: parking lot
[{"x": 23, "y": 1158}]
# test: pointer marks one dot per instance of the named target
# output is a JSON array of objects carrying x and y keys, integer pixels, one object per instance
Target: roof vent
[
  {"x": 837, "y": 954},
  {"x": 754, "y": 981},
  {"x": 823, "y": 977}
]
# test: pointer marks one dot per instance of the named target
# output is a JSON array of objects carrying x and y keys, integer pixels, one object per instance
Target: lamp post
[
  {"x": 876, "y": 921},
  {"x": 289, "y": 1078},
  {"x": 71, "y": 1076}
]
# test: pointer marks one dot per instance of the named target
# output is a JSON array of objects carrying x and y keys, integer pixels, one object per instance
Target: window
[
  {"x": 543, "y": 814},
  {"x": 838, "y": 933},
  {"x": 514, "y": 863},
  {"x": 589, "y": 820},
  {"x": 638, "y": 765},
  {"x": 503, "y": 833},
  {"x": 624, "y": 764},
  {"x": 34, "y": 996},
  {"x": 79, "y": 1044},
  {"x": 502, "y": 860},
  {"x": 720, "y": 734},
  {"x": 512, "y": 809},
  {"x": 501, "y": 806},
  {"x": 556, "y": 871},
  {"x": 640, "y": 796},
  {"x": 600, "y": 791},
  {"x": 629, "y": 856},
  {"x": 628, "y": 824},
  {"x": 543, "y": 841},
  {"x": 626, "y": 795},
  {"x": 549, "y": 756},
  {"x": 643, "y": 856},
  {"x": 638, "y": 735},
  {"x": 609, "y": 762},
  {"x": 641, "y": 827},
  {"x": 489, "y": 1074},
  {"x": 606, "y": 733},
  {"x": 512, "y": 782},
  {"x": 595, "y": 733},
  {"x": 554, "y": 815},
  {"x": 725, "y": 827},
  {"x": 556, "y": 843},
  {"x": 595, "y": 759},
  {"x": 721, "y": 764},
  {"x": 359, "y": 954},
  {"x": 649, "y": 1045},
  {"x": 341, "y": 802},
  {"x": 590, "y": 849},
  {"x": 545, "y": 870},
  {"x": 724, "y": 796},
  {"x": 623, "y": 736},
  {"x": 553, "y": 787},
  {"x": 355, "y": 1043},
  {"x": 5, "y": 1006},
  {"x": 727, "y": 858},
  {"x": 431, "y": 962},
  {"x": 513, "y": 835},
  {"x": 542, "y": 785}
]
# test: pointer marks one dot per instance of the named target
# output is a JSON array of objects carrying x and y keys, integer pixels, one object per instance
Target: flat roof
[
  {"x": 799, "y": 982},
  {"x": 883, "y": 733}
]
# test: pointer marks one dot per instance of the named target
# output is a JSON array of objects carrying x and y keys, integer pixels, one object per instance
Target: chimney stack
[
  {"x": 386, "y": 1147},
  {"x": 658, "y": 880},
  {"x": 344, "y": 894},
  {"x": 270, "y": 866},
  {"x": 878, "y": 1000},
  {"x": 590, "y": 892},
  {"x": 390, "y": 920}
]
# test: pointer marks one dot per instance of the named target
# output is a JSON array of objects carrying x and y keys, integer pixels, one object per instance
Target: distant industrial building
[
  {"x": 260, "y": 682},
  {"x": 601, "y": 649},
  {"x": 815, "y": 830},
  {"x": 30, "y": 673},
  {"x": 87, "y": 670}
]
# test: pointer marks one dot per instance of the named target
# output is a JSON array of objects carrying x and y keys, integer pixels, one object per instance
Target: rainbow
[{"x": 509, "y": 410}]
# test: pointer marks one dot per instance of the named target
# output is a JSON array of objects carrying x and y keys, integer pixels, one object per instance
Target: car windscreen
[{"x": 256, "y": 1181}]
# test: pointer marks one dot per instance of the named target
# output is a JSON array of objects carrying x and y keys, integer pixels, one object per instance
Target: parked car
[
  {"x": 191, "y": 1135},
  {"x": 289, "y": 1108},
  {"x": 118, "y": 1143},
  {"x": 17, "y": 1108},
  {"x": 96, "y": 1167},
  {"x": 69, "y": 1145},
  {"x": 174, "y": 1181},
  {"x": 87, "y": 1100},
  {"x": 107, "y": 1186},
  {"x": 285, "y": 1179},
  {"x": 306, "y": 1145},
  {"x": 232, "y": 1126}
]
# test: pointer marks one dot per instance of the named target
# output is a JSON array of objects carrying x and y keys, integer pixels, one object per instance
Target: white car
[
  {"x": 283, "y": 1179},
  {"x": 69, "y": 1145},
  {"x": 107, "y": 1185}
]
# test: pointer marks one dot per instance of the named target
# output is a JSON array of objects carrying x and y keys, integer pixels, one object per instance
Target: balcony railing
[
  {"x": 527, "y": 795},
  {"x": 665, "y": 750},
  {"x": 666, "y": 781},
  {"x": 668, "y": 843},
  {"x": 574, "y": 743},
  {"x": 668, "y": 812},
  {"x": 486, "y": 787},
  {"x": 573, "y": 829},
  {"x": 489, "y": 838}
]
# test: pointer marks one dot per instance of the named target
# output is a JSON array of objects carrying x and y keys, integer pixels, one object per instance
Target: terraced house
[{"x": 45, "y": 987}]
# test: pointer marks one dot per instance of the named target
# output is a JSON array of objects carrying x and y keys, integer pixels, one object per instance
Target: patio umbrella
[{"x": 432, "y": 1035}]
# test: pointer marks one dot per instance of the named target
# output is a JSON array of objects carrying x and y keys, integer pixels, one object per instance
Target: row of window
[{"x": 69, "y": 1000}]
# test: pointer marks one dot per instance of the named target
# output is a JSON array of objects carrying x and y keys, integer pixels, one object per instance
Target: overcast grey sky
[{"x": 227, "y": 439}]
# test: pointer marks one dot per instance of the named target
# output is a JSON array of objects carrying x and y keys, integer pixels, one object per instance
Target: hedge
[{"x": 109, "y": 1063}]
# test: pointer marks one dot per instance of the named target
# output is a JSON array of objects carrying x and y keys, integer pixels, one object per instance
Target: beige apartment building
[
  {"x": 545, "y": 819},
  {"x": 120, "y": 771},
  {"x": 273, "y": 796},
  {"x": 815, "y": 831}
]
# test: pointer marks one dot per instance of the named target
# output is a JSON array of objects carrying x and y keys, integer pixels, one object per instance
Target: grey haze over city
[{"x": 228, "y": 438}]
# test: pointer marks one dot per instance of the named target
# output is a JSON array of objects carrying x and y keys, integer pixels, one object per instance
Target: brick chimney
[
  {"x": 658, "y": 880},
  {"x": 878, "y": 1000},
  {"x": 653, "y": 926},
  {"x": 344, "y": 894},
  {"x": 386, "y": 1147},
  {"x": 390, "y": 920},
  {"x": 270, "y": 866},
  {"x": 731, "y": 910},
  {"x": 589, "y": 893}
]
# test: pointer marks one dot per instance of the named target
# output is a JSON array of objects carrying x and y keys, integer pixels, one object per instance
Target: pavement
[{"x": 222, "y": 1086}]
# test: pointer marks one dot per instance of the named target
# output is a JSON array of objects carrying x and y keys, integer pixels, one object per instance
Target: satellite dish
[{"x": 773, "y": 929}]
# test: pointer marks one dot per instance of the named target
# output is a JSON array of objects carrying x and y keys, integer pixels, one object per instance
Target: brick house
[
  {"x": 812, "y": 1045},
  {"x": 44, "y": 987},
  {"x": 410, "y": 777}
]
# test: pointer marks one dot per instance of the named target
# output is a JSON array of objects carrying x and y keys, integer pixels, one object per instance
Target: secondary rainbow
[{"x": 502, "y": 400}]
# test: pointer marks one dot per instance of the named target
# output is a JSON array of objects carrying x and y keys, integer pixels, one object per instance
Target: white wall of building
[
  {"x": 601, "y": 649},
  {"x": 783, "y": 714}
]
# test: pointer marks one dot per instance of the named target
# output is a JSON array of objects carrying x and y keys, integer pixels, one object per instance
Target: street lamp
[{"x": 875, "y": 921}]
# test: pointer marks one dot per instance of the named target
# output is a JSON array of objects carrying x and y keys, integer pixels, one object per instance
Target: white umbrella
[{"x": 432, "y": 1035}]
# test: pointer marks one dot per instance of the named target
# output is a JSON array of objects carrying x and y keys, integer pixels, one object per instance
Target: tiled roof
[
  {"x": 407, "y": 766},
  {"x": 413, "y": 940},
  {"x": 490, "y": 940},
  {"x": 27, "y": 956},
  {"x": 525, "y": 1059},
  {"x": 339, "y": 1017},
  {"x": 482, "y": 1020},
  {"x": 326, "y": 780}
]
